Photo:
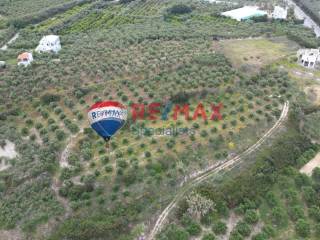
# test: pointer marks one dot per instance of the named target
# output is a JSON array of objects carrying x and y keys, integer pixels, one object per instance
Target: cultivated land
[{"x": 142, "y": 52}]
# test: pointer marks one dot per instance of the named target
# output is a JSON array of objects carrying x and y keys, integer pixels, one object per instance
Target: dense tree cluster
[{"x": 180, "y": 9}]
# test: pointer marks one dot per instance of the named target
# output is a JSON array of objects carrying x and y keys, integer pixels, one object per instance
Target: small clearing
[
  {"x": 8, "y": 151},
  {"x": 253, "y": 54},
  {"x": 310, "y": 166},
  {"x": 255, "y": 230},
  {"x": 313, "y": 94}
]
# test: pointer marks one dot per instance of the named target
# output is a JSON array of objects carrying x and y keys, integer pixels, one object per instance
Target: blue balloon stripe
[{"x": 107, "y": 128}]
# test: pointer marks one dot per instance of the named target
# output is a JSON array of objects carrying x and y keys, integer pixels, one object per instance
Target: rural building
[
  {"x": 245, "y": 13},
  {"x": 2, "y": 64},
  {"x": 25, "y": 59},
  {"x": 280, "y": 13},
  {"x": 309, "y": 58},
  {"x": 50, "y": 43}
]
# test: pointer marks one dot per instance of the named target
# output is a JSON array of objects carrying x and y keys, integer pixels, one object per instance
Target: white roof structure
[
  {"x": 280, "y": 13},
  {"x": 309, "y": 58},
  {"x": 49, "y": 43},
  {"x": 245, "y": 13}
]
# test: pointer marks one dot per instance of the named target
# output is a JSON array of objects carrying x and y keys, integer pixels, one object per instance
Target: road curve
[{"x": 203, "y": 175}]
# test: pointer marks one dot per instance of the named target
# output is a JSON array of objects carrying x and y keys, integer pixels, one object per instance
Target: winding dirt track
[
  {"x": 5, "y": 46},
  {"x": 203, "y": 175},
  {"x": 63, "y": 163}
]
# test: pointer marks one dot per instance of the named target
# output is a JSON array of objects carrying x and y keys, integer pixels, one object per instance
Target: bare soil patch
[
  {"x": 8, "y": 151},
  {"x": 313, "y": 94},
  {"x": 11, "y": 235},
  {"x": 314, "y": 163}
]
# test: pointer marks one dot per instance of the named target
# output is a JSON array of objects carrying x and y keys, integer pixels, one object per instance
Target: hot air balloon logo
[{"x": 106, "y": 118}]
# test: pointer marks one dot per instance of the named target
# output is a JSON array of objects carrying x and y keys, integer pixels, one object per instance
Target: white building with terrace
[
  {"x": 309, "y": 58},
  {"x": 49, "y": 43}
]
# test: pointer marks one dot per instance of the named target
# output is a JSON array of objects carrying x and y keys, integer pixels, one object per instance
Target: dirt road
[
  {"x": 5, "y": 47},
  {"x": 201, "y": 176},
  {"x": 63, "y": 162},
  {"x": 310, "y": 166}
]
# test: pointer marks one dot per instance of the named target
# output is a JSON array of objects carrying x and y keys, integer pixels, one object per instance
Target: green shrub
[
  {"x": 60, "y": 134},
  {"x": 219, "y": 228},
  {"x": 174, "y": 232},
  {"x": 49, "y": 98},
  {"x": 208, "y": 236},
  {"x": 193, "y": 228},
  {"x": 243, "y": 228},
  {"x": 179, "y": 9},
  {"x": 251, "y": 217},
  {"x": 303, "y": 228}
]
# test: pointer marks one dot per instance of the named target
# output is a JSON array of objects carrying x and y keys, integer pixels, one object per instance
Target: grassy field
[{"x": 256, "y": 53}]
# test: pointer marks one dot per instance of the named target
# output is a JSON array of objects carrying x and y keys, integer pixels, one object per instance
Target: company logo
[
  {"x": 107, "y": 113},
  {"x": 156, "y": 111},
  {"x": 106, "y": 118}
]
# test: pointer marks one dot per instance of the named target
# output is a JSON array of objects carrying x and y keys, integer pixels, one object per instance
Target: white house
[
  {"x": 49, "y": 43},
  {"x": 244, "y": 13},
  {"x": 280, "y": 13},
  {"x": 25, "y": 59},
  {"x": 2, "y": 64},
  {"x": 309, "y": 58}
]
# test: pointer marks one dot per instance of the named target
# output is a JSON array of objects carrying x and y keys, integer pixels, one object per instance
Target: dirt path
[
  {"x": 310, "y": 166},
  {"x": 14, "y": 234},
  {"x": 56, "y": 184},
  {"x": 5, "y": 47},
  {"x": 203, "y": 175},
  {"x": 231, "y": 223},
  {"x": 257, "y": 228},
  {"x": 63, "y": 163}
]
